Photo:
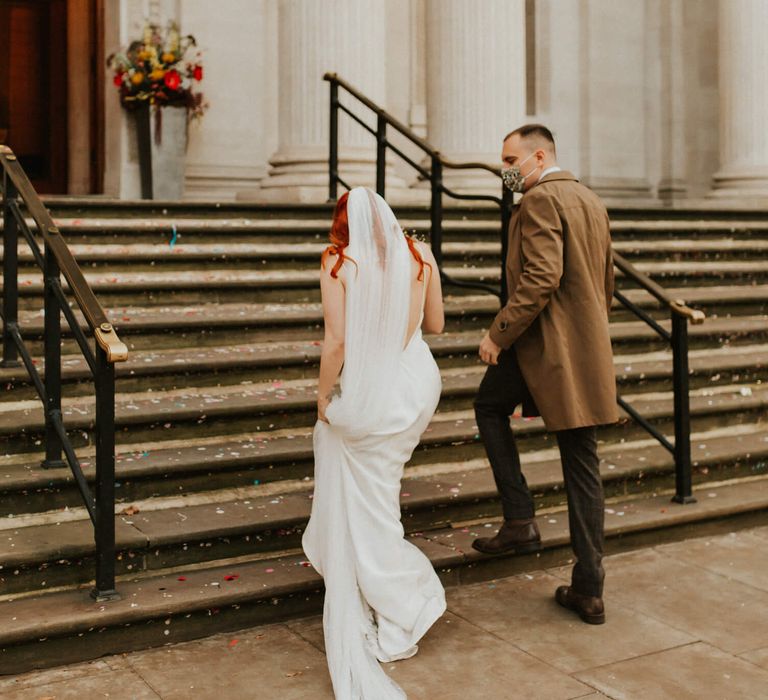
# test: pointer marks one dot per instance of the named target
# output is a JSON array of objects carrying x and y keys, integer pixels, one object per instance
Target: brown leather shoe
[
  {"x": 589, "y": 608},
  {"x": 518, "y": 536}
]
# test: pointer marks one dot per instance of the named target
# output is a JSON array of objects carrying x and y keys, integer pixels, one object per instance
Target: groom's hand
[{"x": 489, "y": 351}]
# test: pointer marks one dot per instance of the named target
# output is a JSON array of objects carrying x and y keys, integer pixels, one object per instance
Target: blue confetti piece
[{"x": 173, "y": 238}]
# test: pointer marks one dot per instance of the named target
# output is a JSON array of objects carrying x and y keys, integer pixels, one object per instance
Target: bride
[{"x": 380, "y": 288}]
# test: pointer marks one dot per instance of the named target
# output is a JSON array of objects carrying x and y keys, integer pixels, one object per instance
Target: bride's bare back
[{"x": 433, "y": 301}]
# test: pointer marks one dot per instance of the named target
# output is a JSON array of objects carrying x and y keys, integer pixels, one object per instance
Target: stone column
[
  {"x": 343, "y": 36},
  {"x": 560, "y": 101},
  {"x": 475, "y": 82},
  {"x": 672, "y": 156},
  {"x": 614, "y": 120},
  {"x": 743, "y": 67},
  {"x": 228, "y": 148}
]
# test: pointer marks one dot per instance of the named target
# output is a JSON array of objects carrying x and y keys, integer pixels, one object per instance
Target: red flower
[
  {"x": 118, "y": 79},
  {"x": 172, "y": 80},
  {"x": 197, "y": 73}
]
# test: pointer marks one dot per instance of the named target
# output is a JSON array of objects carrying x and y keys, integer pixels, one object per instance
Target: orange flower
[
  {"x": 144, "y": 55},
  {"x": 168, "y": 57},
  {"x": 157, "y": 74},
  {"x": 137, "y": 78}
]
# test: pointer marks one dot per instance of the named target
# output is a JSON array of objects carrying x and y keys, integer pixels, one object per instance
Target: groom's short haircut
[{"x": 536, "y": 135}]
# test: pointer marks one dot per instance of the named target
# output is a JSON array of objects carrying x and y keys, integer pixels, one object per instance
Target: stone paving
[{"x": 684, "y": 620}]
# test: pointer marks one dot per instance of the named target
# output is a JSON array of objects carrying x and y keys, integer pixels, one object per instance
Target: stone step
[
  {"x": 694, "y": 269},
  {"x": 285, "y": 321},
  {"x": 644, "y": 211},
  {"x": 63, "y": 626},
  {"x": 209, "y": 280},
  {"x": 179, "y": 529},
  {"x": 293, "y": 219},
  {"x": 197, "y": 452},
  {"x": 191, "y": 402},
  {"x": 122, "y": 254},
  {"x": 296, "y": 359},
  {"x": 298, "y": 354},
  {"x": 132, "y": 229}
]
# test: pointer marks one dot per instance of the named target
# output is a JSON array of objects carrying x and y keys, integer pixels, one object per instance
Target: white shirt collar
[{"x": 553, "y": 169}]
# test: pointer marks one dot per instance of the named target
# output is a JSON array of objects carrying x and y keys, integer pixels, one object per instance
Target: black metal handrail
[
  {"x": 56, "y": 260},
  {"x": 680, "y": 312},
  {"x": 434, "y": 175}
]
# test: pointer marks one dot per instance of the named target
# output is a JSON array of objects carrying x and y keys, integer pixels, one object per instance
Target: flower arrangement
[{"x": 160, "y": 70}]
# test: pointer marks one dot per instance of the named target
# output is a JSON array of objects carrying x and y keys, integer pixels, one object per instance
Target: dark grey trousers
[{"x": 503, "y": 389}]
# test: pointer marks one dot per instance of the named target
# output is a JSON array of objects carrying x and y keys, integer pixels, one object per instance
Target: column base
[
  {"x": 206, "y": 182},
  {"x": 303, "y": 178},
  {"x": 673, "y": 188},
  {"x": 736, "y": 185},
  {"x": 619, "y": 187}
]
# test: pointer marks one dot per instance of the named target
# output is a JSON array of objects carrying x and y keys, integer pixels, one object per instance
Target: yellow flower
[
  {"x": 137, "y": 78},
  {"x": 168, "y": 57},
  {"x": 157, "y": 74}
]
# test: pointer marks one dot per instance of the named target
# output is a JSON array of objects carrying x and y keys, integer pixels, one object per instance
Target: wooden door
[{"x": 33, "y": 88}]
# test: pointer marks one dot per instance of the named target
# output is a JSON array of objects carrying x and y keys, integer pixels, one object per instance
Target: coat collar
[
  {"x": 552, "y": 177},
  {"x": 557, "y": 175}
]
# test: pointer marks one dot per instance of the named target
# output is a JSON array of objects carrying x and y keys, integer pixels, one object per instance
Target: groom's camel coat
[{"x": 560, "y": 280}]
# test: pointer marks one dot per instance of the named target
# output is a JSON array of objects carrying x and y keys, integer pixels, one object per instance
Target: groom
[{"x": 549, "y": 349}]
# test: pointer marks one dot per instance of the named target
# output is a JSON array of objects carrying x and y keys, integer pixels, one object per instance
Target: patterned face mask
[{"x": 513, "y": 179}]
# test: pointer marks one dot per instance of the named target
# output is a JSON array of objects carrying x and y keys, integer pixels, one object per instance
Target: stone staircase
[{"x": 219, "y": 306}]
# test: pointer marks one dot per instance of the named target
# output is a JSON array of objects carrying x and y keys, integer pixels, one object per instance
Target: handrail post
[
  {"x": 436, "y": 211},
  {"x": 52, "y": 329},
  {"x": 104, "y": 486},
  {"x": 507, "y": 203},
  {"x": 381, "y": 153},
  {"x": 682, "y": 412},
  {"x": 333, "y": 155},
  {"x": 10, "y": 274}
]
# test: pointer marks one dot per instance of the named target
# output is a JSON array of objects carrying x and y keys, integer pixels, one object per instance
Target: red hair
[{"x": 339, "y": 238}]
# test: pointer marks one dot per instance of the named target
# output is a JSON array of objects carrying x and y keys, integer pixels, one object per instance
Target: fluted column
[
  {"x": 475, "y": 81},
  {"x": 743, "y": 67},
  {"x": 614, "y": 139},
  {"x": 673, "y": 160},
  {"x": 343, "y": 36}
]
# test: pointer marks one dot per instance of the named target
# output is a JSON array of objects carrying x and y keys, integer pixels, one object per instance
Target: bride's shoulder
[{"x": 423, "y": 247}]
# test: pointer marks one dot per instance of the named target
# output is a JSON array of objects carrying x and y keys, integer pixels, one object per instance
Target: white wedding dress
[{"x": 381, "y": 592}]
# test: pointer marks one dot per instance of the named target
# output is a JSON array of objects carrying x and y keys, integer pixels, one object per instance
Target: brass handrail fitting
[
  {"x": 116, "y": 349},
  {"x": 695, "y": 316}
]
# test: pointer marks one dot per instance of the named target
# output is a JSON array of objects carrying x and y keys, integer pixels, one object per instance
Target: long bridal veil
[
  {"x": 377, "y": 301},
  {"x": 382, "y": 593}
]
